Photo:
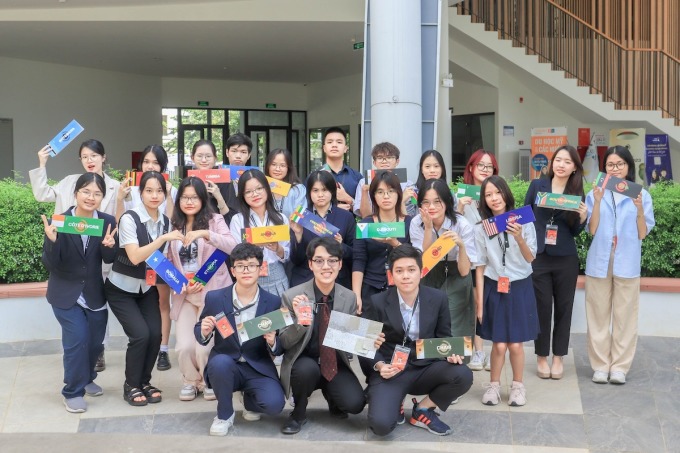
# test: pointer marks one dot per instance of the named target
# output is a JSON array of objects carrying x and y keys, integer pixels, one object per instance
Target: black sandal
[
  {"x": 130, "y": 393},
  {"x": 149, "y": 391}
]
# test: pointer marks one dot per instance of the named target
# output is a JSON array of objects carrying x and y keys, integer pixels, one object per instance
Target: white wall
[{"x": 123, "y": 111}]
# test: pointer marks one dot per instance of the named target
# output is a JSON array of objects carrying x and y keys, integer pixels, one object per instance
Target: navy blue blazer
[
  {"x": 301, "y": 273},
  {"x": 74, "y": 271},
  {"x": 255, "y": 351}
]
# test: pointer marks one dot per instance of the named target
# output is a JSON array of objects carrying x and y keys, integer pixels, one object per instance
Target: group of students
[{"x": 521, "y": 280}]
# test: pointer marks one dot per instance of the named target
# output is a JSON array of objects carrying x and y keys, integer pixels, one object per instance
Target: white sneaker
[
  {"x": 249, "y": 415},
  {"x": 518, "y": 394},
  {"x": 221, "y": 427},
  {"x": 209, "y": 394},
  {"x": 188, "y": 393},
  {"x": 477, "y": 361},
  {"x": 601, "y": 377},
  {"x": 492, "y": 396},
  {"x": 487, "y": 363},
  {"x": 617, "y": 377}
]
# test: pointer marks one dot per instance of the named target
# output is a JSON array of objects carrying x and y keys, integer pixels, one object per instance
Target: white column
[{"x": 443, "y": 138}]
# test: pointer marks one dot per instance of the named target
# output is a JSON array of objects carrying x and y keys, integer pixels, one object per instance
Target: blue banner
[
  {"x": 657, "y": 159},
  {"x": 167, "y": 271},
  {"x": 206, "y": 272},
  {"x": 65, "y": 136}
]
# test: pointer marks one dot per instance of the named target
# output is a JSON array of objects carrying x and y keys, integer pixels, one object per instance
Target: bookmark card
[
  {"x": 436, "y": 252},
  {"x": 618, "y": 185},
  {"x": 467, "y": 190},
  {"x": 382, "y": 230},
  {"x": 400, "y": 172},
  {"x": 213, "y": 175},
  {"x": 498, "y": 224},
  {"x": 136, "y": 176},
  {"x": 66, "y": 136},
  {"x": 312, "y": 222},
  {"x": 167, "y": 271},
  {"x": 279, "y": 187},
  {"x": 237, "y": 170},
  {"x": 78, "y": 225},
  {"x": 265, "y": 234},
  {"x": 266, "y": 323},
  {"x": 440, "y": 348},
  {"x": 206, "y": 272},
  {"x": 558, "y": 201}
]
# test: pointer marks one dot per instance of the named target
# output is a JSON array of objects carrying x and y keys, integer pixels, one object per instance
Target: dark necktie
[{"x": 327, "y": 356}]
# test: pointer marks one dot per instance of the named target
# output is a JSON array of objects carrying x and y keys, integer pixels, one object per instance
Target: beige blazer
[{"x": 295, "y": 337}]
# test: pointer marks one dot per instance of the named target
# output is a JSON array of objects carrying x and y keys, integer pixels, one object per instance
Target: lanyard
[
  {"x": 408, "y": 327},
  {"x": 253, "y": 222},
  {"x": 505, "y": 246},
  {"x": 278, "y": 204}
]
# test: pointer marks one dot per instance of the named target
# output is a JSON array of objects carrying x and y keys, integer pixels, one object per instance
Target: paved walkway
[{"x": 572, "y": 415}]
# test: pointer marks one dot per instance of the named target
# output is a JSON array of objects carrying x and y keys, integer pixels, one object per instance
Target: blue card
[
  {"x": 237, "y": 170},
  {"x": 66, "y": 136},
  {"x": 206, "y": 272},
  {"x": 498, "y": 224},
  {"x": 167, "y": 271},
  {"x": 312, "y": 222}
]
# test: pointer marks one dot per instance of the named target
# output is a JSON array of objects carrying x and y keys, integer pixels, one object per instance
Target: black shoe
[
  {"x": 163, "y": 363},
  {"x": 402, "y": 418},
  {"x": 101, "y": 363},
  {"x": 292, "y": 426}
]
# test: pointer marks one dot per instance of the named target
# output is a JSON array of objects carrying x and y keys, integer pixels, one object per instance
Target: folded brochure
[
  {"x": 266, "y": 323},
  {"x": 439, "y": 348}
]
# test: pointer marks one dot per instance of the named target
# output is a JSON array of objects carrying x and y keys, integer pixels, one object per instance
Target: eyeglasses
[
  {"x": 483, "y": 167},
  {"x": 91, "y": 157},
  {"x": 202, "y": 157},
  {"x": 252, "y": 193},
  {"x": 427, "y": 203},
  {"x": 279, "y": 166},
  {"x": 192, "y": 200},
  {"x": 382, "y": 193},
  {"x": 88, "y": 194},
  {"x": 243, "y": 267},
  {"x": 618, "y": 165},
  {"x": 332, "y": 262},
  {"x": 384, "y": 158}
]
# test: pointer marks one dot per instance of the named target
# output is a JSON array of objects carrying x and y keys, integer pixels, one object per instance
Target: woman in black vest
[{"x": 131, "y": 291}]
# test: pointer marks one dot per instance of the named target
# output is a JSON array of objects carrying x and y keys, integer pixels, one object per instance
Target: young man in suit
[
  {"x": 235, "y": 366},
  {"x": 334, "y": 148},
  {"x": 411, "y": 311},
  {"x": 307, "y": 364}
]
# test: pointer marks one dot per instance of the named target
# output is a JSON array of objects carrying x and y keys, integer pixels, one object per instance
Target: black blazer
[
  {"x": 229, "y": 194},
  {"x": 566, "y": 229},
  {"x": 74, "y": 271},
  {"x": 255, "y": 351},
  {"x": 435, "y": 321}
]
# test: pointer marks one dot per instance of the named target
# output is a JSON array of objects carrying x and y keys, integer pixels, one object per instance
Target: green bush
[{"x": 21, "y": 233}]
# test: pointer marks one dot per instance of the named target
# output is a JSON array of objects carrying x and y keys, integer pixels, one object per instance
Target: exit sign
[
  {"x": 358, "y": 45},
  {"x": 270, "y": 106},
  {"x": 203, "y": 103}
]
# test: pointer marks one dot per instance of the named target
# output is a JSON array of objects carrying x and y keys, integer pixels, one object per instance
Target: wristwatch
[{"x": 375, "y": 367}]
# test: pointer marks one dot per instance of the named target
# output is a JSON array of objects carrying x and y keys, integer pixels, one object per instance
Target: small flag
[{"x": 490, "y": 227}]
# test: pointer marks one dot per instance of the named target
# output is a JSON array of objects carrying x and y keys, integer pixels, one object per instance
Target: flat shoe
[
  {"x": 543, "y": 374},
  {"x": 556, "y": 376},
  {"x": 292, "y": 426}
]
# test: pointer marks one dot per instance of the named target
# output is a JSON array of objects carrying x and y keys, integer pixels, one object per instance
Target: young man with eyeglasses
[
  {"x": 411, "y": 311},
  {"x": 307, "y": 364},
  {"x": 334, "y": 148},
  {"x": 385, "y": 157},
  {"x": 237, "y": 149},
  {"x": 234, "y": 366}
]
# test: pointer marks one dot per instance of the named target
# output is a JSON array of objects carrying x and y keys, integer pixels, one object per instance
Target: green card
[
  {"x": 558, "y": 201},
  {"x": 381, "y": 230},
  {"x": 440, "y": 348},
  {"x": 468, "y": 190},
  {"x": 261, "y": 325},
  {"x": 78, "y": 225}
]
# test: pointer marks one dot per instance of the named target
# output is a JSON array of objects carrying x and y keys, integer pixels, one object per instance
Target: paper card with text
[
  {"x": 78, "y": 225},
  {"x": 352, "y": 334},
  {"x": 237, "y": 170},
  {"x": 558, "y": 201},
  {"x": 494, "y": 225},
  {"x": 468, "y": 190},
  {"x": 265, "y": 234},
  {"x": 382, "y": 230},
  {"x": 214, "y": 261},
  {"x": 64, "y": 137},
  {"x": 312, "y": 222},
  {"x": 440, "y": 348},
  {"x": 136, "y": 176},
  {"x": 400, "y": 172},
  {"x": 618, "y": 185},
  {"x": 279, "y": 187},
  {"x": 213, "y": 175},
  {"x": 436, "y": 252},
  {"x": 167, "y": 271},
  {"x": 266, "y": 323}
]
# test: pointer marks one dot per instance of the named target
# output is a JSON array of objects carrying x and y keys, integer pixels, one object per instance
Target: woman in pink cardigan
[{"x": 204, "y": 231}]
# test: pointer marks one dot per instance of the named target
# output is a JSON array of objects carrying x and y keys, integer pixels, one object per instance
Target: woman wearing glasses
[
  {"x": 439, "y": 219},
  {"x": 204, "y": 232},
  {"x": 480, "y": 166},
  {"x": 618, "y": 225},
  {"x": 369, "y": 269},
  {"x": 279, "y": 165},
  {"x": 204, "y": 156},
  {"x": 256, "y": 210}
]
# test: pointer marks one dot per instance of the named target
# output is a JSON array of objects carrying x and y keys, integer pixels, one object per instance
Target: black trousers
[
  {"x": 141, "y": 320},
  {"x": 343, "y": 393},
  {"x": 442, "y": 381},
  {"x": 554, "y": 280}
]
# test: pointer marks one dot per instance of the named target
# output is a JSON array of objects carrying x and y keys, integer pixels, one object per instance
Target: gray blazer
[{"x": 294, "y": 338}]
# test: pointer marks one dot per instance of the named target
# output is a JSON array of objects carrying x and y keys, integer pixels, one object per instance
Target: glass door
[{"x": 266, "y": 139}]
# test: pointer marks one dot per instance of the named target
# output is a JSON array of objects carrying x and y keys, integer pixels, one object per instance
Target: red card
[
  {"x": 223, "y": 325},
  {"x": 151, "y": 277},
  {"x": 503, "y": 285}
]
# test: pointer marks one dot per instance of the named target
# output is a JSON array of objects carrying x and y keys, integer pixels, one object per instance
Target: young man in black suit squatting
[{"x": 411, "y": 311}]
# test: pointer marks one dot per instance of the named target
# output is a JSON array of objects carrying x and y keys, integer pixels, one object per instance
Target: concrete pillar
[{"x": 443, "y": 137}]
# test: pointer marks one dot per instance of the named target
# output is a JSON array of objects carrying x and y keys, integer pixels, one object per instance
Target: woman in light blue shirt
[
  {"x": 618, "y": 224},
  {"x": 279, "y": 165}
]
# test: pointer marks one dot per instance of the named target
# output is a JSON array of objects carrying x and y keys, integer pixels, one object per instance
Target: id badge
[
  {"x": 223, "y": 325},
  {"x": 550, "y": 234},
  {"x": 264, "y": 269},
  {"x": 400, "y": 357},
  {"x": 304, "y": 314},
  {"x": 503, "y": 285},
  {"x": 151, "y": 277}
]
